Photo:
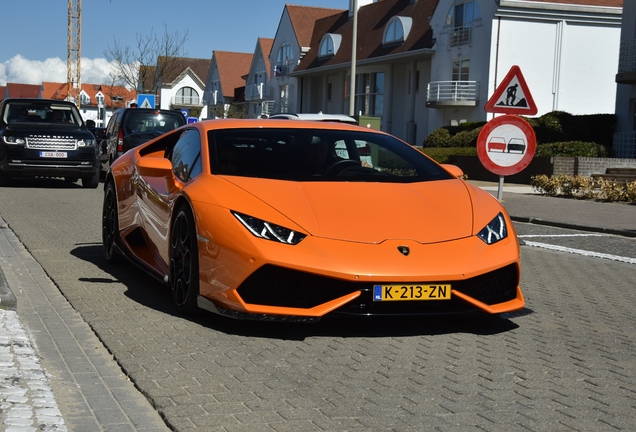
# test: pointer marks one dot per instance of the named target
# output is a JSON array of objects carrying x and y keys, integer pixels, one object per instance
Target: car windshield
[
  {"x": 41, "y": 112},
  {"x": 152, "y": 121},
  {"x": 318, "y": 155}
]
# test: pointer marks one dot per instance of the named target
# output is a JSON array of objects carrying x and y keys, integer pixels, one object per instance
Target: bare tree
[{"x": 143, "y": 67}]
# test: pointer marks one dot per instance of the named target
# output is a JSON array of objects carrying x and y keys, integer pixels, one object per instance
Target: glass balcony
[
  {"x": 461, "y": 36},
  {"x": 624, "y": 144},
  {"x": 440, "y": 94},
  {"x": 627, "y": 63},
  {"x": 257, "y": 91}
]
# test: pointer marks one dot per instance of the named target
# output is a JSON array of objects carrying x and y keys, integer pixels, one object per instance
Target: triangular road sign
[{"x": 512, "y": 96}]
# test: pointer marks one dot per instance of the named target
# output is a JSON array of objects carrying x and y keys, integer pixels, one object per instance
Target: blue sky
[{"x": 35, "y": 31}]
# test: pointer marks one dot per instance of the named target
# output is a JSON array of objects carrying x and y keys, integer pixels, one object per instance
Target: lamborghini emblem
[{"x": 404, "y": 250}]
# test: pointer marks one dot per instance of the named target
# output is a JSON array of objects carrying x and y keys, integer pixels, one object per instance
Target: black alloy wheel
[
  {"x": 110, "y": 224},
  {"x": 184, "y": 261}
]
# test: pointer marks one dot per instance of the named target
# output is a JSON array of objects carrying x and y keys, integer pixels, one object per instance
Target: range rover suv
[{"x": 46, "y": 138}]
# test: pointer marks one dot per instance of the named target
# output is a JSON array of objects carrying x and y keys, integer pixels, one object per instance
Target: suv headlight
[
  {"x": 269, "y": 231},
  {"x": 86, "y": 142},
  {"x": 496, "y": 230},
  {"x": 14, "y": 140}
]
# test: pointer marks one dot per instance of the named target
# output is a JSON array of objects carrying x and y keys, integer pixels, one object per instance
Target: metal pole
[
  {"x": 500, "y": 191},
  {"x": 354, "y": 43}
]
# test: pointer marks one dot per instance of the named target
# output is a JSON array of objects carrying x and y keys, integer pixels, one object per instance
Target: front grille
[
  {"x": 51, "y": 142},
  {"x": 277, "y": 286}
]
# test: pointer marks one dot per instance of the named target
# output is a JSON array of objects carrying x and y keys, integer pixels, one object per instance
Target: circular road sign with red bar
[{"x": 506, "y": 145}]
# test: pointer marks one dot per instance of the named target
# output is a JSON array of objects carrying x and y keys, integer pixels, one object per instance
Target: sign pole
[{"x": 500, "y": 190}]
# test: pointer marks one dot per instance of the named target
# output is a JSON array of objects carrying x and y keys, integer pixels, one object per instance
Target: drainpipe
[{"x": 354, "y": 52}]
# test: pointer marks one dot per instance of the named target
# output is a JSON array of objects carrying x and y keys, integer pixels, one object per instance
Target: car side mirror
[{"x": 157, "y": 167}]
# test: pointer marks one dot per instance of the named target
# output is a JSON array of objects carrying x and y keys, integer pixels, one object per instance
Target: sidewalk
[
  {"x": 90, "y": 388},
  {"x": 45, "y": 345},
  {"x": 524, "y": 205}
]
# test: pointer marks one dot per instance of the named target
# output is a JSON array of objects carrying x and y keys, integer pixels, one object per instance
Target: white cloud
[{"x": 25, "y": 71}]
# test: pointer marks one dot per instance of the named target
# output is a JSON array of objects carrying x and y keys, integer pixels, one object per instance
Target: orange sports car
[{"x": 278, "y": 220}]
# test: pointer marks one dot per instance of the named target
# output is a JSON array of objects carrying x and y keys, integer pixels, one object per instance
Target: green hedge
[
  {"x": 556, "y": 127},
  {"x": 571, "y": 149},
  {"x": 441, "y": 154}
]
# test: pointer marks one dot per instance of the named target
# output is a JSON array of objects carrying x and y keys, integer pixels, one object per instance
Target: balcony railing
[
  {"x": 461, "y": 36},
  {"x": 283, "y": 69},
  {"x": 257, "y": 91},
  {"x": 185, "y": 100},
  {"x": 452, "y": 93}
]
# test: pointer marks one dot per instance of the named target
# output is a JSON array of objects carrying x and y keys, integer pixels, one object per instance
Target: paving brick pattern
[{"x": 568, "y": 363}]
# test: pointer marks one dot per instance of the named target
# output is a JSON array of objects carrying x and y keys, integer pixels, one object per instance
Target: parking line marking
[
  {"x": 582, "y": 252},
  {"x": 563, "y": 235}
]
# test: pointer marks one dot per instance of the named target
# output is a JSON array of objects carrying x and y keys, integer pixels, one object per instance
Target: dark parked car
[
  {"x": 131, "y": 127},
  {"x": 46, "y": 138}
]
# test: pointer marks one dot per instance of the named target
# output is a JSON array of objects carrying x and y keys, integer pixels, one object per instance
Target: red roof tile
[
  {"x": 232, "y": 66},
  {"x": 303, "y": 18}
]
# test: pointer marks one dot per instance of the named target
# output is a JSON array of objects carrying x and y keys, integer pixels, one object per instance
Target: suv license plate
[
  {"x": 411, "y": 292},
  {"x": 49, "y": 154}
]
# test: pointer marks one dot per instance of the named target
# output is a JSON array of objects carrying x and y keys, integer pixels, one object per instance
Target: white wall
[{"x": 567, "y": 66}]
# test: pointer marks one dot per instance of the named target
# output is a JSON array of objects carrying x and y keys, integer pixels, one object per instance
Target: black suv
[
  {"x": 47, "y": 138},
  {"x": 131, "y": 127}
]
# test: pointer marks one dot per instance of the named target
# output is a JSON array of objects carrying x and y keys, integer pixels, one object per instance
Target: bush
[
  {"x": 571, "y": 149},
  {"x": 467, "y": 138},
  {"x": 440, "y": 155},
  {"x": 438, "y": 138},
  {"x": 584, "y": 187}
]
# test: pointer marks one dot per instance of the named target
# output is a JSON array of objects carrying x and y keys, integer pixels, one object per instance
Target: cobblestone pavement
[
  {"x": 27, "y": 402},
  {"x": 567, "y": 363}
]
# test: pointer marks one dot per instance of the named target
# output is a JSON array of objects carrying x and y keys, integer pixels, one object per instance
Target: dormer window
[
  {"x": 85, "y": 99},
  {"x": 329, "y": 45},
  {"x": 397, "y": 30}
]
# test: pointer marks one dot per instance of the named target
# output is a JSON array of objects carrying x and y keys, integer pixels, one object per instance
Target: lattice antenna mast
[{"x": 74, "y": 51}]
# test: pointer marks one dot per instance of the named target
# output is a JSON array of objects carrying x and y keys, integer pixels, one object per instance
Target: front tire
[
  {"x": 110, "y": 224},
  {"x": 184, "y": 261},
  {"x": 91, "y": 182}
]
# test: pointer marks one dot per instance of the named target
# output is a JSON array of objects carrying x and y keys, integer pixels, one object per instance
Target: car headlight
[
  {"x": 496, "y": 230},
  {"x": 87, "y": 142},
  {"x": 14, "y": 140},
  {"x": 269, "y": 231}
]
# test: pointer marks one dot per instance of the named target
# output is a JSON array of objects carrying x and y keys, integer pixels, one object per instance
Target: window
[
  {"x": 283, "y": 58},
  {"x": 186, "y": 155},
  {"x": 85, "y": 99},
  {"x": 461, "y": 17},
  {"x": 329, "y": 45},
  {"x": 284, "y": 98},
  {"x": 460, "y": 70},
  {"x": 187, "y": 96},
  {"x": 463, "y": 13},
  {"x": 370, "y": 94},
  {"x": 397, "y": 30}
]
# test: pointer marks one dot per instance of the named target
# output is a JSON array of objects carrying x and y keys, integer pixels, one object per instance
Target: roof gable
[
  {"x": 14, "y": 90},
  {"x": 302, "y": 19},
  {"x": 372, "y": 19},
  {"x": 232, "y": 66}
]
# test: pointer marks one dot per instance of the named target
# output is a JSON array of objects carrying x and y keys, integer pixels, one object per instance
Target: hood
[{"x": 426, "y": 212}]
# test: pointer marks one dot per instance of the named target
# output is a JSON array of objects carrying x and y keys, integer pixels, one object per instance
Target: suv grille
[{"x": 51, "y": 142}]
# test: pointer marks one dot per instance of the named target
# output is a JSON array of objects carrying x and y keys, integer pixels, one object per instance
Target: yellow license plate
[{"x": 411, "y": 292}]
